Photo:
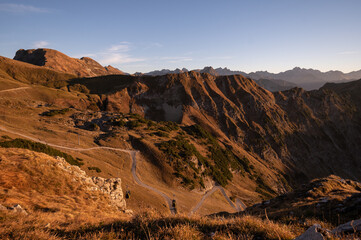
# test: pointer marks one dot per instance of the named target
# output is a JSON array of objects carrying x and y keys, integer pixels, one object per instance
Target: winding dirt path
[
  {"x": 14, "y": 89},
  {"x": 131, "y": 153},
  {"x": 238, "y": 207}
]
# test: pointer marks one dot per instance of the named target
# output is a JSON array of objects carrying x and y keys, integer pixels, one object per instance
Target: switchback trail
[
  {"x": 239, "y": 206},
  {"x": 137, "y": 180},
  {"x": 131, "y": 153}
]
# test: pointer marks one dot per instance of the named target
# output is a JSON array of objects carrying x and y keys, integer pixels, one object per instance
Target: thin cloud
[
  {"x": 122, "y": 47},
  {"x": 156, "y": 44},
  {"x": 40, "y": 44},
  {"x": 20, "y": 8},
  {"x": 118, "y": 54},
  {"x": 177, "y": 59},
  {"x": 117, "y": 58},
  {"x": 348, "y": 53},
  {"x": 219, "y": 58},
  {"x": 114, "y": 55}
]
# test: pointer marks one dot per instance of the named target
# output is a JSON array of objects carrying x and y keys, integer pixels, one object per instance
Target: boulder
[
  {"x": 349, "y": 227},
  {"x": 18, "y": 209},
  {"x": 313, "y": 233}
]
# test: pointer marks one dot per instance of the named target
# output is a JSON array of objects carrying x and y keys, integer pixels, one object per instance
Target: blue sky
[{"x": 144, "y": 35}]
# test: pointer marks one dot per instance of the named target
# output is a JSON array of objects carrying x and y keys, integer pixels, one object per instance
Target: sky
[{"x": 146, "y": 35}]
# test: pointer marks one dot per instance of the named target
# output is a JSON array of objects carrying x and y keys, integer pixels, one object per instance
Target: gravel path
[{"x": 239, "y": 206}]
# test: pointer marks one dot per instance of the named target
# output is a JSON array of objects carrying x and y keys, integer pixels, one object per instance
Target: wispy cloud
[
  {"x": 116, "y": 58},
  {"x": 21, "y": 8},
  {"x": 40, "y": 44},
  {"x": 121, "y": 47},
  {"x": 118, "y": 54},
  {"x": 348, "y": 53},
  {"x": 114, "y": 55},
  {"x": 218, "y": 58},
  {"x": 177, "y": 59}
]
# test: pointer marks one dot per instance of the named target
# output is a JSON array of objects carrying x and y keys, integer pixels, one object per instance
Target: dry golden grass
[
  {"x": 35, "y": 182},
  {"x": 146, "y": 225},
  {"x": 61, "y": 208}
]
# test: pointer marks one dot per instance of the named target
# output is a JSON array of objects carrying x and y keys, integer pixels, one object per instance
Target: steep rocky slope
[
  {"x": 288, "y": 137},
  {"x": 308, "y": 79},
  {"x": 301, "y": 134},
  {"x": 272, "y": 85},
  {"x": 332, "y": 198},
  {"x": 83, "y": 67}
]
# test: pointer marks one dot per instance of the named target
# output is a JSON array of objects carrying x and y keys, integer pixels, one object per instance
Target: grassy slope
[
  {"x": 28, "y": 73},
  {"x": 34, "y": 181}
]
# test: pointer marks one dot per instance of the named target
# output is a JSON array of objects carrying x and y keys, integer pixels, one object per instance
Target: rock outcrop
[
  {"x": 347, "y": 230},
  {"x": 111, "y": 187},
  {"x": 350, "y": 227},
  {"x": 313, "y": 233},
  {"x": 83, "y": 67}
]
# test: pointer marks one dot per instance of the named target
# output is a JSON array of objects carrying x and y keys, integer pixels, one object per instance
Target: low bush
[
  {"x": 133, "y": 124},
  {"x": 98, "y": 170},
  {"x": 168, "y": 126},
  {"x": 55, "y": 112},
  {"x": 161, "y": 134},
  {"x": 39, "y": 147}
]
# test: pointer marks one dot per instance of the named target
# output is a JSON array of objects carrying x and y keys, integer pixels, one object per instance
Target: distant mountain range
[{"x": 308, "y": 79}]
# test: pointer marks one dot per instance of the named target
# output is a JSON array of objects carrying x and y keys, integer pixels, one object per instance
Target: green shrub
[
  {"x": 39, "y": 147},
  {"x": 119, "y": 123},
  {"x": 161, "y": 134},
  {"x": 95, "y": 169},
  {"x": 93, "y": 126},
  {"x": 79, "y": 88},
  {"x": 133, "y": 124},
  {"x": 168, "y": 126},
  {"x": 55, "y": 112}
]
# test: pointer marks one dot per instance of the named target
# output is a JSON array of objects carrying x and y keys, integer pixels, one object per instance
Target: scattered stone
[
  {"x": 312, "y": 233},
  {"x": 128, "y": 211},
  {"x": 349, "y": 227},
  {"x": 18, "y": 209}
]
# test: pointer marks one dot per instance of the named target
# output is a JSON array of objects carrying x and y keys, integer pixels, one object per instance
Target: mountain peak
[{"x": 53, "y": 59}]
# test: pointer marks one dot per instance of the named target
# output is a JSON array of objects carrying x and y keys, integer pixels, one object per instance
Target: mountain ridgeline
[
  {"x": 298, "y": 134},
  {"x": 308, "y": 79},
  {"x": 281, "y": 139}
]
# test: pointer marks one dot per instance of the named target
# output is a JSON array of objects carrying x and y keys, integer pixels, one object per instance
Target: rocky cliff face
[
  {"x": 84, "y": 67},
  {"x": 301, "y": 134},
  {"x": 110, "y": 186}
]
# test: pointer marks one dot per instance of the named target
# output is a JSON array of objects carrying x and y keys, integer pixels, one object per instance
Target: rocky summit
[{"x": 53, "y": 59}]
